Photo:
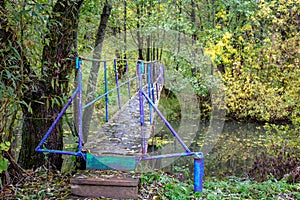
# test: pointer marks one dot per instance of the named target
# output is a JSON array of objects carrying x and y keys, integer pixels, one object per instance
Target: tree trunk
[
  {"x": 193, "y": 19},
  {"x": 148, "y": 40},
  {"x": 139, "y": 37},
  {"x": 46, "y": 99},
  {"x": 125, "y": 31},
  {"x": 92, "y": 83},
  {"x": 9, "y": 100},
  {"x": 179, "y": 34}
]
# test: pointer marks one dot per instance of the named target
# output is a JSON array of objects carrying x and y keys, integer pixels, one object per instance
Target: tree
[
  {"x": 11, "y": 80},
  {"x": 45, "y": 94},
  {"x": 92, "y": 83}
]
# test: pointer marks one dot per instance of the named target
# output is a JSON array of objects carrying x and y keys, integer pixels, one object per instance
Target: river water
[{"x": 232, "y": 154}]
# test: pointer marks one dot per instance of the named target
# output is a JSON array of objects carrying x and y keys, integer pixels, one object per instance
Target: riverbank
[{"x": 43, "y": 184}]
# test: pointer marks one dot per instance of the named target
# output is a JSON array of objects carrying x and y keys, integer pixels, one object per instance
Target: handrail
[
  {"x": 108, "y": 92},
  {"x": 143, "y": 97}
]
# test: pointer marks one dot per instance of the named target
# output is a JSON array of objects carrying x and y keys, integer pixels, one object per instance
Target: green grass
[
  {"x": 157, "y": 185},
  {"x": 162, "y": 186}
]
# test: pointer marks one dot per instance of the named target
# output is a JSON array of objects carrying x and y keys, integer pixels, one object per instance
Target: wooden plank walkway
[
  {"x": 116, "y": 144},
  {"x": 122, "y": 134}
]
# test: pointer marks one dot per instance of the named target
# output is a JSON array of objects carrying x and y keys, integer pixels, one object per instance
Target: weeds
[{"x": 157, "y": 185}]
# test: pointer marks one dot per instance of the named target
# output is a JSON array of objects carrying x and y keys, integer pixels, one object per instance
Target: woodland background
[{"x": 254, "y": 45}]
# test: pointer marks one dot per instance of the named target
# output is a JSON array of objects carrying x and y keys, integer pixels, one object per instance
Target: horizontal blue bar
[
  {"x": 61, "y": 152},
  {"x": 103, "y": 95},
  {"x": 169, "y": 155}
]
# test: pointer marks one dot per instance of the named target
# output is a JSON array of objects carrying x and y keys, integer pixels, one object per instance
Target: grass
[
  {"x": 157, "y": 185},
  {"x": 163, "y": 186}
]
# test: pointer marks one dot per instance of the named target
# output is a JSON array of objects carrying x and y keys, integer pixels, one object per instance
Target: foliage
[
  {"x": 4, "y": 146},
  {"x": 10, "y": 84},
  {"x": 254, "y": 45},
  {"x": 162, "y": 186},
  {"x": 8, "y": 112},
  {"x": 275, "y": 162},
  {"x": 234, "y": 188},
  {"x": 40, "y": 184},
  {"x": 281, "y": 155},
  {"x": 260, "y": 60},
  {"x": 169, "y": 105},
  {"x": 43, "y": 184},
  {"x": 165, "y": 187}
]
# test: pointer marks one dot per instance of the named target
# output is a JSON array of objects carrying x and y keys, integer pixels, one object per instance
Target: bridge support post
[
  {"x": 198, "y": 172},
  {"x": 128, "y": 86},
  {"x": 117, "y": 83},
  {"x": 105, "y": 91},
  {"x": 139, "y": 71},
  {"x": 150, "y": 90},
  {"x": 80, "y": 135}
]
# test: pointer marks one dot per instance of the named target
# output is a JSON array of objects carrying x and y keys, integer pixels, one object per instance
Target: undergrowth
[
  {"x": 156, "y": 185},
  {"x": 163, "y": 186}
]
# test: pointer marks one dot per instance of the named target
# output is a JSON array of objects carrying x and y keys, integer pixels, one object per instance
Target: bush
[{"x": 277, "y": 162}]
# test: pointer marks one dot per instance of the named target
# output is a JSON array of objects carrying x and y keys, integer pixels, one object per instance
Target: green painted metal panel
[{"x": 109, "y": 162}]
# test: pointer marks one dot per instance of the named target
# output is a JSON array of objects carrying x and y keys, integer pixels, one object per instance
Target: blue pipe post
[
  {"x": 78, "y": 63},
  {"x": 127, "y": 72},
  {"x": 149, "y": 91},
  {"x": 158, "y": 81},
  {"x": 140, "y": 68},
  {"x": 117, "y": 83},
  {"x": 198, "y": 172},
  {"x": 157, "y": 88},
  {"x": 141, "y": 93},
  {"x": 152, "y": 80},
  {"x": 137, "y": 75},
  {"x": 162, "y": 73},
  {"x": 105, "y": 90}
]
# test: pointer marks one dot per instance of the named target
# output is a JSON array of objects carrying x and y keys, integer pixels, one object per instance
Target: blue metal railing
[{"x": 154, "y": 77}]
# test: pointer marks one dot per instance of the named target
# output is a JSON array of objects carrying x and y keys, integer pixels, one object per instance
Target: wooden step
[{"x": 114, "y": 187}]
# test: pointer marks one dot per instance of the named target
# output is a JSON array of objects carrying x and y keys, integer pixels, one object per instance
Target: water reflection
[{"x": 232, "y": 155}]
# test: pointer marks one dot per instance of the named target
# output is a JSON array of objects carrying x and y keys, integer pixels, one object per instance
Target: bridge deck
[{"x": 123, "y": 133}]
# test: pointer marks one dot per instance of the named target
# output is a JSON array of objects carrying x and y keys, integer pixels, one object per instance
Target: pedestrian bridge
[{"x": 121, "y": 142}]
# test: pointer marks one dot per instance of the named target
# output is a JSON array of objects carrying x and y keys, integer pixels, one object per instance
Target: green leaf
[
  {"x": 3, "y": 164},
  {"x": 4, "y": 146}
]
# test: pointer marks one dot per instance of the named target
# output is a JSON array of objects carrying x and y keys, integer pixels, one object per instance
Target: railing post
[
  {"x": 163, "y": 73},
  {"x": 149, "y": 91},
  {"x": 117, "y": 83},
  {"x": 139, "y": 65},
  {"x": 78, "y": 66},
  {"x": 152, "y": 80},
  {"x": 105, "y": 90},
  {"x": 128, "y": 78},
  {"x": 198, "y": 172}
]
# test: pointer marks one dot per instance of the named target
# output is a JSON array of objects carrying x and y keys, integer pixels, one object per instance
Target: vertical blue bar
[
  {"x": 162, "y": 73},
  {"x": 105, "y": 90},
  {"x": 149, "y": 91},
  {"x": 152, "y": 80},
  {"x": 78, "y": 62},
  {"x": 141, "y": 93},
  {"x": 157, "y": 88},
  {"x": 128, "y": 76},
  {"x": 117, "y": 83},
  {"x": 198, "y": 173}
]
